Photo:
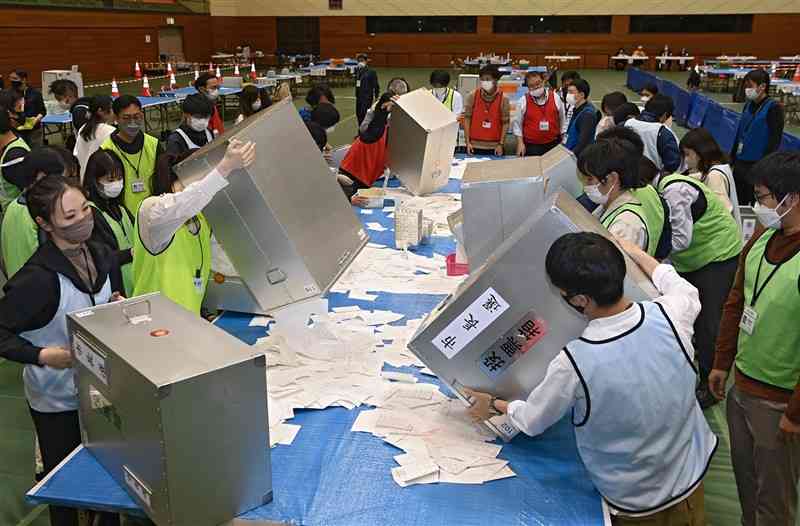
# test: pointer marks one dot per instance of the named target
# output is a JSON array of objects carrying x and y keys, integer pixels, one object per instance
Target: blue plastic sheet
[
  {"x": 790, "y": 143},
  {"x": 699, "y": 108},
  {"x": 683, "y": 104}
]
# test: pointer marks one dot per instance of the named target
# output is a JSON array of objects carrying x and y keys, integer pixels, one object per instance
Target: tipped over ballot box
[
  {"x": 498, "y": 196},
  {"x": 282, "y": 222},
  {"x": 499, "y": 331},
  {"x": 422, "y": 139}
]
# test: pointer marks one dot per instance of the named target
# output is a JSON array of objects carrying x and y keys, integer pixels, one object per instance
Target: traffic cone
[
  {"x": 172, "y": 83},
  {"x": 114, "y": 88},
  {"x": 146, "y": 87},
  {"x": 236, "y": 70},
  {"x": 137, "y": 71},
  {"x": 796, "y": 75},
  {"x": 196, "y": 74},
  {"x": 219, "y": 74},
  {"x": 253, "y": 74},
  {"x": 169, "y": 68},
  {"x": 774, "y": 70},
  {"x": 210, "y": 67}
]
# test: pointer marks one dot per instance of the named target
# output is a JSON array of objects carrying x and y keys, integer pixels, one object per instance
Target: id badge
[
  {"x": 740, "y": 148},
  {"x": 358, "y": 83},
  {"x": 487, "y": 125},
  {"x": 749, "y": 319},
  {"x": 198, "y": 284},
  {"x": 544, "y": 125},
  {"x": 137, "y": 187}
]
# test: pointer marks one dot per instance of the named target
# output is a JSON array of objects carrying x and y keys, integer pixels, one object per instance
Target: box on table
[
  {"x": 283, "y": 222},
  {"x": 422, "y": 139},
  {"x": 174, "y": 408},
  {"x": 499, "y": 331},
  {"x": 498, "y": 196}
]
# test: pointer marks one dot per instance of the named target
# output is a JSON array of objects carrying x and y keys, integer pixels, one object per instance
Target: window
[
  {"x": 552, "y": 24},
  {"x": 422, "y": 24},
  {"x": 692, "y": 24},
  {"x": 335, "y": 5}
]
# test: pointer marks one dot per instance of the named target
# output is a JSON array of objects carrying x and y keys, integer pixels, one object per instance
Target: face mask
[
  {"x": 572, "y": 99},
  {"x": 132, "y": 129},
  {"x": 440, "y": 92},
  {"x": 76, "y": 232},
  {"x": 487, "y": 85},
  {"x": 212, "y": 94},
  {"x": 198, "y": 124},
  {"x": 64, "y": 107},
  {"x": 645, "y": 99},
  {"x": 595, "y": 195},
  {"x": 16, "y": 84},
  {"x": 537, "y": 92},
  {"x": 257, "y": 105},
  {"x": 113, "y": 189},
  {"x": 751, "y": 93},
  {"x": 769, "y": 217}
]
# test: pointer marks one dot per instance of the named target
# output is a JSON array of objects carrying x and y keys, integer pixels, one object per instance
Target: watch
[{"x": 492, "y": 408}]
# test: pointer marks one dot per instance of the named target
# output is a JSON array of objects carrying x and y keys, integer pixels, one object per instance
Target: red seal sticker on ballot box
[{"x": 522, "y": 337}]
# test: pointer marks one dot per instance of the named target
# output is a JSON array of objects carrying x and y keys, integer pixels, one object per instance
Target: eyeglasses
[
  {"x": 759, "y": 197},
  {"x": 131, "y": 118}
]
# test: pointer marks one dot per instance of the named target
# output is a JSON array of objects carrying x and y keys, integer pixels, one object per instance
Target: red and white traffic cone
[
  {"x": 169, "y": 68},
  {"x": 219, "y": 74},
  {"x": 146, "y": 87},
  {"x": 253, "y": 74},
  {"x": 196, "y": 74},
  {"x": 137, "y": 71},
  {"x": 236, "y": 70},
  {"x": 114, "y": 88},
  {"x": 210, "y": 67},
  {"x": 172, "y": 84},
  {"x": 796, "y": 75}
]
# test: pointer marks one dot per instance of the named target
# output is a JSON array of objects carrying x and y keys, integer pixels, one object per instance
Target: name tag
[
  {"x": 740, "y": 148},
  {"x": 749, "y": 319},
  {"x": 487, "y": 125},
  {"x": 358, "y": 83},
  {"x": 137, "y": 187},
  {"x": 544, "y": 126}
]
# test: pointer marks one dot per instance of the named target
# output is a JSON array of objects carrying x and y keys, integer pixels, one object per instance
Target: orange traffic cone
[
  {"x": 146, "y": 87},
  {"x": 210, "y": 67},
  {"x": 236, "y": 70},
  {"x": 114, "y": 88},
  {"x": 796, "y": 75},
  {"x": 137, "y": 71},
  {"x": 253, "y": 74},
  {"x": 196, "y": 74},
  {"x": 172, "y": 83},
  {"x": 219, "y": 74},
  {"x": 169, "y": 68}
]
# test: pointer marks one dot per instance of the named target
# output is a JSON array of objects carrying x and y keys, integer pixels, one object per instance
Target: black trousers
[
  {"x": 362, "y": 106},
  {"x": 536, "y": 150},
  {"x": 741, "y": 176},
  {"x": 714, "y": 282}
]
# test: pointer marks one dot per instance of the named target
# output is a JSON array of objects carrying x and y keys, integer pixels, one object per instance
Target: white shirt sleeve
[
  {"x": 628, "y": 226},
  {"x": 680, "y": 197},
  {"x": 458, "y": 103},
  {"x": 681, "y": 301},
  {"x": 562, "y": 115},
  {"x": 551, "y": 399},
  {"x": 516, "y": 120},
  {"x": 161, "y": 216},
  {"x": 239, "y": 119},
  {"x": 718, "y": 182}
]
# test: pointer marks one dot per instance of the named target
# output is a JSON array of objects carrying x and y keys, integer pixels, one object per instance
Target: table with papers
[
  {"x": 339, "y": 467},
  {"x": 563, "y": 58},
  {"x": 663, "y": 59}
]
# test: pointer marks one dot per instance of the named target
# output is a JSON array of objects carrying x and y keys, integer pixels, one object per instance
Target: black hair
[
  {"x": 625, "y": 134},
  {"x": 362, "y": 56},
  {"x": 97, "y": 104},
  {"x": 165, "y": 176},
  {"x": 612, "y": 155},
  {"x": 398, "y": 84},
  {"x": 197, "y": 104},
  {"x": 440, "y": 77},
  {"x": 583, "y": 87},
  {"x": 317, "y": 92},
  {"x": 42, "y": 160},
  {"x": 779, "y": 172},
  {"x": 318, "y": 133},
  {"x": 202, "y": 80},
  {"x": 64, "y": 87},
  {"x": 5, "y": 122},
  {"x": 101, "y": 163},
  {"x": 534, "y": 73},
  {"x": 21, "y": 73},
  {"x": 9, "y": 99},
  {"x": 72, "y": 167},
  {"x": 612, "y": 101},
  {"x": 758, "y": 77},
  {"x": 660, "y": 105},
  {"x": 43, "y": 197},
  {"x": 326, "y": 115},
  {"x": 589, "y": 264},
  {"x": 648, "y": 171},
  {"x": 651, "y": 87},
  {"x": 490, "y": 70},
  {"x": 706, "y": 147},
  {"x": 570, "y": 75},
  {"x": 625, "y": 112},
  {"x": 125, "y": 101},
  {"x": 250, "y": 94}
]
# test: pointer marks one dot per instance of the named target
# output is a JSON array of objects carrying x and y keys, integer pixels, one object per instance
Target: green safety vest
[
  {"x": 173, "y": 271},
  {"x": 19, "y": 237},
  {"x": 648, "y": 209},
  {"x": 715, "y": 235},
  {"x": 144, "y": 162},
  {"x": 770, "y": 354},
  {"x": 9, "y": 191},
  {"x": 448, "y": 98},
  {"x": 124, "y": 234}
]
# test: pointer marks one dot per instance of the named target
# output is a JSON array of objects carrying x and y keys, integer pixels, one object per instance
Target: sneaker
[{"x": 705, "y": 398}]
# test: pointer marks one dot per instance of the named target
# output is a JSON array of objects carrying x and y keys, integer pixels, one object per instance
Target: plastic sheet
[{"x": 699, "y": 108}]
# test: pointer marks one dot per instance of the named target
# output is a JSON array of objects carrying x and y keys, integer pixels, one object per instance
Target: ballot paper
[{"x": 377, "y": 227}]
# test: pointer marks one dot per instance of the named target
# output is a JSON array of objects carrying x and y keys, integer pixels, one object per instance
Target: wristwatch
[{"x": 492, "y": 408}]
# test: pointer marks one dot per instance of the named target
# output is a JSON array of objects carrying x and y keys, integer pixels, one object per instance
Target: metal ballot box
[
  {"x": 174, "y": 409},
  {"x": 499, "y": 331},
  {"x": 422, "y": 139},
  {"x": 498, "y": 196},
  {"x": 283, "y": 222}
]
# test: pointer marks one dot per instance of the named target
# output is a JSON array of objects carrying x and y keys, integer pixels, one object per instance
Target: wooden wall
[{"x": 260, "y": 32}]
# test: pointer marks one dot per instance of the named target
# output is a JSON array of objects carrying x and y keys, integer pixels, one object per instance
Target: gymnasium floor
[{"x": 16, "y": 438}]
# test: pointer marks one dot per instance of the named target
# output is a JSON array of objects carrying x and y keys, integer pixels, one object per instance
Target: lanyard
[
  {"x": 756, "y": 291},
  {"x": 197, "y": 224},
  {"x": 487, "y": 106},
  {"x": 138, "y": 163},
  {"x": 755, "y": 115}
]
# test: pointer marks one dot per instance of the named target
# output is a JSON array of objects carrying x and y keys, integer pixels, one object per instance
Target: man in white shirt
[
  {"x": 629, "y": 383},
  {"x": 540, "y": 121},
  {"x": 440, "y": 87}
]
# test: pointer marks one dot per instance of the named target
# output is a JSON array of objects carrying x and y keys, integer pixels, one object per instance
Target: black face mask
[
  {"x": 16, "y": 84},
  {"x": 579, "y": 309}
]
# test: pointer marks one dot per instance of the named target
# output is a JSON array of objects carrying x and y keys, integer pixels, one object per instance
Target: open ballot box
[
  {"x": 285, "y": 230},
  {"x": 502, "y": 327}
]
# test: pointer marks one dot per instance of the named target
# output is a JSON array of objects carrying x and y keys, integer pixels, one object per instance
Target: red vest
[
  {"x": 366, "y": 162},
  {"x": 487, "y": 119},
  {"x": 216, "y": 124},
  {"x": 535, "y": 115}
]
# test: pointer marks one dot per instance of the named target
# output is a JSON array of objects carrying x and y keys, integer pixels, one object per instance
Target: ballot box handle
[{"x": 129, "y": 312}]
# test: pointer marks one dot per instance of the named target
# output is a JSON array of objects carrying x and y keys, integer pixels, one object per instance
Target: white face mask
[
  {"x": 213, "y": 94},
  {"x": 257, "y": 105},
  {"x": 64, "y": 107},
  {"x": 645, "y": 99},
  {"x": 537, "y": 92},
  {"x": 487, "y": 85},
  {"x": 572, "y": 99},
  {"x": 751, "y": 93},
  {"x": 440, "y": 92},
  {"x": 769, "y": 217},
  {"x": 112, "y": 189},
  {"x": 595, "y": 195},
  {"x": 198, "y": 124}
]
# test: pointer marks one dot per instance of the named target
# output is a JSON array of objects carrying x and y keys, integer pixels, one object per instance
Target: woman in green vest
[
  {"x": 12, "y": 147},
  {"x": 706, "y": 243},
  {"x": 103, "y": 182},
  {"x": 137, "y": 150},
  {"x": 172, "y": 246}
]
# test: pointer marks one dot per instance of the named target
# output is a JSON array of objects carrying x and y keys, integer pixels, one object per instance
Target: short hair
[
  {"x": 625, "y": 112},
  {"x": 779, "y": 172},
  {"x": 705, "y": 146},
  {"x": 534, "y": 73},
  {"x": 197, "y": 104},
  {"x": 490, "y": 70},
  {"x": 5, "y": 121},
  {"x": 125, "y": 101},
  {"x": 9, "y": 99},
  {"x": 612, "y": 101},
  {"x": 318, "y": 133},
  {"x": 660, "y": 105},
  {"x": 612, "y": 155},
  {"x": 43, "y": 160},
  {"x": 63, "y": 87},
  {"x": 362, "y": 56},
  {"x": 758, "y": 77},
  {"x": 203, "y": 79},
  {"x": 570, "y": 75},
  {"x": 623, "y": 133},
  {"x": 582, "y": 85},
  {"x": 648, "y": 171},
  {"x": 326, "y": 115},
  {"x": 398, "y": 86},
  {"x": 21, "y": 73},
  {"x": 317, "y": 92},
  {"x": 440, "y": 77},
  {"x": 651, "y": 87},
  {"x": 589, "y": 264}
]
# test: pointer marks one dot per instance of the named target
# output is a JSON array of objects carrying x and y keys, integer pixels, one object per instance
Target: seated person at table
[
  {"x": 171, "y": 230},
  {"x": 648, "y": 92},
  {"x": 138, "y": 150},
  {"x": 35, "y": 109},
  {"x": 693, "y": 82},
  {"x": 660, "y": 142},
  {"x": 319, "y": 94},
  {"x": 639, "y": 52},
  {"x": 540, "y": 120},
  {"x": 66, "y": 93},
  {"x": 620, "y": 63},
  {"x": 580, "y": 132},
  {"x": 487, "y": 115},
  {"x": 97, "y": 129},
  {"x": 207, "y": 84},
  {"x": 12, "y": 148},
  {"x": 251, "y": 101},
  {"x": 647, "y": 463},
  {"x": 609, "y": 104},
  {"x": 193, "y": 132}
]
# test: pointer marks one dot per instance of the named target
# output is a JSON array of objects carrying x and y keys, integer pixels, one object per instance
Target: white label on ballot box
[
  {"x": 92, "y": 359},
  {"x": 473, "y": 321},
  {"x": 137, "y": 486}
]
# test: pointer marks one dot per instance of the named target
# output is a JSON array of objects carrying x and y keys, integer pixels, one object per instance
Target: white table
[
  {"x": 630, "y": 58},
  {"x": 562, "y": 58},
  {"x": 737, "y": 58},
  {"x": 663, "y": 59}
]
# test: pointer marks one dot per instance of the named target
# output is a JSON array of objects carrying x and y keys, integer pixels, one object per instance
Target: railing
[{"x": 162, "y": 6}]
